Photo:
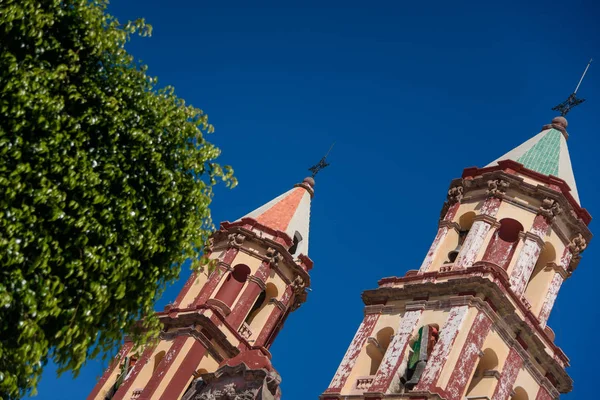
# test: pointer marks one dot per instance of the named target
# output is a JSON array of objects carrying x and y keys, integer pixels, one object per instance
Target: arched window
[
  {"x": 233, "y": 284},
  {"x": 158, "y": 358},
  {"x": 260, "y": 309},
  {"x": 465, "y": 222},
  {"x": 377, "y": 346},
  {"x": 504, "y": 242},
  {"x": 484, "y": 381},
  {"x": 297, "y": 240},
  {"x": 520, "y": 394},
  {"x": 540, "y": 278}
]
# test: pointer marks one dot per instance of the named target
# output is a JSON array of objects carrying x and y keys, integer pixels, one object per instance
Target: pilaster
[{"x": 511, "y": 368}]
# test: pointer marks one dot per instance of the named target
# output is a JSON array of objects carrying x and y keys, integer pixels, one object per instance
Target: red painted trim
[
  {"x": 511, "y": 368},
  {"x": 469, "y": 357},
  {"x": 274, "y": 319},
  {"x": 552, "y": 181},
  {"x": 163, "y": 367},
  {"x": 451, "y": 213},
  {"x": 214, "y": 279},
  {"x": 248, "y": 297},
  {"x": 179, "y": 381},
  {"x": 543, "y": 394},
  {"x": 127, "y": 346},
  {"x": 185, "y": 289},
  {"x": 141, "y": 363}
]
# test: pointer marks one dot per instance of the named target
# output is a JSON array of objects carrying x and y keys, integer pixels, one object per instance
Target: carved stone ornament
[
  {"x": 298, "y": 285},
  {"x": 550, "y": 208},
  {"x": 497, "y": 187},
  {"x": 235, "y": 383},
  {"x": 455, "y": 194},
  {"x": 273, "y": 255},
  {"x": 578, "y": 244},
  {"x": 236, "y": 239}
]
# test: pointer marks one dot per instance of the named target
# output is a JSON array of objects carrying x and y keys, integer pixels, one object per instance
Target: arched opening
[
  {"x": 297, "y": 239},
  {"x": 261, "y": 309},
  {"x": 465, "y": 222},
  {"x": 158, "y": 358},
  {"x": 540, "y": 278},
  {"x": 520, "y": 394},
  {"x": 420, "y": 347},
  {"x": 483, "y": 381},
  {"x": 504, "y": 243},
  {"x": 233, "y": 284},
  {"x": 377, "y": 346}
]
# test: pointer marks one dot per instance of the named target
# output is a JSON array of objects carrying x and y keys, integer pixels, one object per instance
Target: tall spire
[
  {"x": 289, "y": 213},
  {"x": 546, "y": 153}
]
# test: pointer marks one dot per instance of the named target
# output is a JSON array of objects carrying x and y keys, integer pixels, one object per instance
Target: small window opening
[{"x": 297, "y": 240}]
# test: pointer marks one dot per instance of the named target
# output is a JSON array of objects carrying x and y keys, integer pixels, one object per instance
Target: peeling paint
[
  {"x": 164, "y": 365},
  {"x": 472, "y": 244},
  {"x": 543, "y": 394},
  {"x": 555, "y": 285},
  {"x": 500, "y": 252},
  {"x": 452, "y": 212},
  {"x": 114, "y": 364},
  {"x": 137, "y": 367},
  {"x": 469, "y": 357},
  {"x": 439, "y": 238},
  {"x": 393, "y": 356},
  {"x": 524, "y": 266},
  {"x": 361, "y": 336},
  {"x": 490, "y": 206},
  {"x": 540, "y": 226},
  {"x": 512, "y": 365},
  {"x": 442, "y": 348}
]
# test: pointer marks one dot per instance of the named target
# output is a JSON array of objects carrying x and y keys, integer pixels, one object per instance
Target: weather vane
[
  {"x": 321, "y": 164},
  {"x": 572, "y": 101}
]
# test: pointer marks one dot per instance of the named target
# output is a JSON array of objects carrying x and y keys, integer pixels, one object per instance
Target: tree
[{"x": 105, "y": 186}]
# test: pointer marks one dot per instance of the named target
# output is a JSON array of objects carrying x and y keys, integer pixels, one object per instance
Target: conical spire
[
  {"x": 546, "y": 153},
  {"x": 289, "y": 213}
]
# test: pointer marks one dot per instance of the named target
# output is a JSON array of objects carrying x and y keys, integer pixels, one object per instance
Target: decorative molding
[
  {"x": 497, "y": 187},
  {"x": 577, "y": 244},
  {"x": 550, "y": 208},
  {"x": 259, "y": 282}
]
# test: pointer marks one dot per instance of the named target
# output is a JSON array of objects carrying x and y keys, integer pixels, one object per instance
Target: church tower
[
  {"x": 471, "y": 321},
  {"x": 217, "y": 333}
]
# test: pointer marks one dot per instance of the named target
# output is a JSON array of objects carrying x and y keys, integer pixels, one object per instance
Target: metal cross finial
[
  {"x": 572, "y": 100},
  {"x": 321, "y": 164}
]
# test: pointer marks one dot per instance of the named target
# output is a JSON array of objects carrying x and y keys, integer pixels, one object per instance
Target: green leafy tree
[{"x": 105, "y": 186}]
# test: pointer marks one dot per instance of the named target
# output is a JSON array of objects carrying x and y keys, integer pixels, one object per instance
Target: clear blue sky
[{"x": 413, "y": 92}]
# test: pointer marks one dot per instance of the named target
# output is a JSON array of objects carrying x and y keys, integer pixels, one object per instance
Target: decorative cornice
[
  {"x": 449, "y": 225},
  {"x": 497, "y": 187},
  {"x": 533, "y": 237},
  {"x": 550, "y": 208}
]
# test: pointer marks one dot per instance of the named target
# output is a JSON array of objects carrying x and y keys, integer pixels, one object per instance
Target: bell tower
[
  {"x": 471, "y": 321},
  {"x": 216, "y": 335}
]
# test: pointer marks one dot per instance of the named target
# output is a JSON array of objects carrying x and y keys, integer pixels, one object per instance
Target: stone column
[
  {"x": 469, "y": 357},
  {"x": 127, "y": 346},
  {"x": 543, "y": 394},
  {"x": 362, "y": 334},
  {"x": 387, "y": 375},
  {"x": 449, "y": 212},
  {"x": 135, "y": 370},
  {"x": 254, "y": 286},
  {"x": 478, "y": 232},
  {"x": 216, "y": 276},
  {"x": 530, "y": 252},
  {"x": 511, "y": 368},
  {"x": 577, "y": 245},
  {"x": 281, "y": 307},
  {"x": 442, "y": 348},
  {"x": 179, "y": 381},
  {"x": 165, "y": 364}
]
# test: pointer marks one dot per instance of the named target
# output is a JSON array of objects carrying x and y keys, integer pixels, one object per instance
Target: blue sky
[{"x": 412, "y": 93}]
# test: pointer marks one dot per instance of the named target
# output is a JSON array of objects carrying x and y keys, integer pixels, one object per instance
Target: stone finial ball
[
  {"x": 562, "y": 121},
  {"x": 309, "y": 181}
]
